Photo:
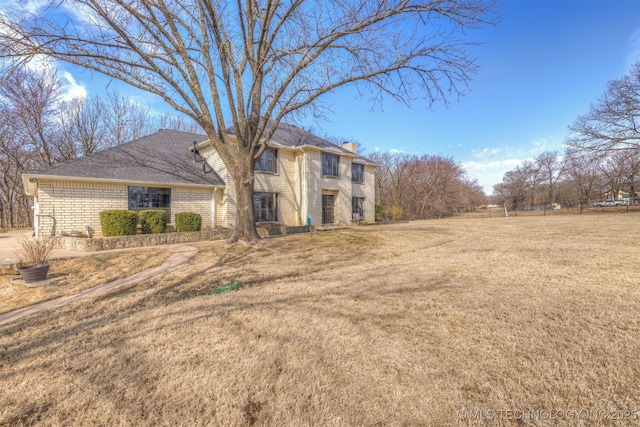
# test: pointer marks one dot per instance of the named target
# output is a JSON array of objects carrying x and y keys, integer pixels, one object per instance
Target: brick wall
[
  {"x": 225, "y": 198},
  {"x": 367, "y": 190},
  {"x": 70, "y": 205},
  {"x": 342, "y": 188},
  {"x": 300, "y": 185},
  {"x": 285, "y": 182},
  {"x": 198, "y": 200}
]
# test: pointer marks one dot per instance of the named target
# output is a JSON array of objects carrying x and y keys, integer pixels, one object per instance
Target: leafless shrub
[{"x": 35, "y": 252}]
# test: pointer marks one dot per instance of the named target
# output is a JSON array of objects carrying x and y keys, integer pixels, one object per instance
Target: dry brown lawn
[
  {"x": 504, "y": 321},
  {"x": 71, "y": 276}
]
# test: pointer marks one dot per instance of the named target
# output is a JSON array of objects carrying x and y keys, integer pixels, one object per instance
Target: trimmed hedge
[
  {"x": 118, "y": 222},
  {"x": 188, "y": 221},
  {"x": 153, "y": 221}
]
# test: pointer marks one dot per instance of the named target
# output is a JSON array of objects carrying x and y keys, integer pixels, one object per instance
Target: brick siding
[{"x": 66, "y": 206}]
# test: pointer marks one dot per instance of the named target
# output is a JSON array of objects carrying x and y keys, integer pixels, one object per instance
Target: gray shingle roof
[
  {"x": 292, "y": 136},
  {"x": 162, "y": 157}
]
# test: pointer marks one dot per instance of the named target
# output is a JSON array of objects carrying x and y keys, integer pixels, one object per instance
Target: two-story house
[{"x": 300, "y": 179}]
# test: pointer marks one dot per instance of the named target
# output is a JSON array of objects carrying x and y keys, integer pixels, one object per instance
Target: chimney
[{"x": 351, "y": 146}]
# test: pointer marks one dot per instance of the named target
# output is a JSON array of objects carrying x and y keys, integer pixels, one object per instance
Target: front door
[{"x": 327, "y": 209}]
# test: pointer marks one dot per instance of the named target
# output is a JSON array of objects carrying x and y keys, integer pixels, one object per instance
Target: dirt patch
[{"x": 450, "y": 322}]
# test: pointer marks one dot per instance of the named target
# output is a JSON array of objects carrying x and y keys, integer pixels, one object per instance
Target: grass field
[
  {"x": 74, "y": 275},
  {"x": 503, "y": 321}
]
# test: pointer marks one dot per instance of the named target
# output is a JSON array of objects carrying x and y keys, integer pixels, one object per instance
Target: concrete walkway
[
  {"x": 9, "y": 243},
  {"x": 181, "y": 255}
]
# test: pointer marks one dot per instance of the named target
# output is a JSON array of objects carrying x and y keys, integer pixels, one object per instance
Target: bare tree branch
[{"x": 253, "y": 63}]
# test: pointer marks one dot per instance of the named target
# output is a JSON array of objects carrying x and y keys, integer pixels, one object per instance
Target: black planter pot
[{"x": 34, "y": 274}]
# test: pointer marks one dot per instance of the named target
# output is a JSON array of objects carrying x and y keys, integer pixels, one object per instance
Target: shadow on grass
[{"x": 74, "y": 341}]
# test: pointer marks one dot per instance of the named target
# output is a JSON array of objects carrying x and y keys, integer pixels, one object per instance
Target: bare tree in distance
[
  {"x": 176, "y": 121},
  {"x": 125, "y": 119},
  {"x": 32, "y": 99},
  {"x": 411, "y": 187},
  {"x": 583, "y": 174},
  {"x": 620, "y": 170},
  {"x": 516, "y": 186},
  {"x": 613, "y": 122},
  {"x": 551, "y": 166},
  {"x": 252, "y": 64},
  {"x": 82, "y": 122}
]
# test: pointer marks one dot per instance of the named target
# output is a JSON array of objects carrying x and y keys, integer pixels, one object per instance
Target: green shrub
[
  {"x": 153, "y": 221},
  {"x": 188, "y": 221},
  {"x": 118, "y": 222}
]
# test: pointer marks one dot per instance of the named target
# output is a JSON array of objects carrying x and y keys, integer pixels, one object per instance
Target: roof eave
[{"x": 28, "y": 177}]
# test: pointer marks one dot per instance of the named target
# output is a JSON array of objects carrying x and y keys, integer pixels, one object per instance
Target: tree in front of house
[{"x": 250, "y": 64}]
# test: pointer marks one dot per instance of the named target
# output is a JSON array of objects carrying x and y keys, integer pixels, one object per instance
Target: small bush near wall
[
  {"x": 396, "y": 212},
  {"x": 153, "y": 221},
  {"x": 118, "y": 223},
  {"x": 188, "y": 221}
]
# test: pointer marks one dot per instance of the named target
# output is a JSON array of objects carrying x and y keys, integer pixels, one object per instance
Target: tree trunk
[{"x": 245, "y": 227}]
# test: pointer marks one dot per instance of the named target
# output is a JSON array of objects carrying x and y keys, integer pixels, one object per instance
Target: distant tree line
[
  {"x": 602, "y": 156},
  {"x": 39, "y": 127},
  {"x": 413, "y": 187}
]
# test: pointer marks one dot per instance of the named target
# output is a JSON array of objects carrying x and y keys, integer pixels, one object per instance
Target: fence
[{"x": 544, "y": 210}]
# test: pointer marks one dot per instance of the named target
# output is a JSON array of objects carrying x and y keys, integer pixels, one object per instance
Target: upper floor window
[
  {"x": 357, "y": 173},
  {"x": 330, "y": 164},
  {"x": 268, "y": 162}
]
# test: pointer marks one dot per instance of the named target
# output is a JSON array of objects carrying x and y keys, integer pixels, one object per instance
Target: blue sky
[{"x": 540, "y": 68}]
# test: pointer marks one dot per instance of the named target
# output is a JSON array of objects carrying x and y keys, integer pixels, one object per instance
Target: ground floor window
[
  {"x": 357, "y": 208},
  {"x": 265, "y": 206},
  {"x": 143, "y": 198}
]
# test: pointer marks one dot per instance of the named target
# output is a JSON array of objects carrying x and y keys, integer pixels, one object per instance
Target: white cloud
[
  {"x": 486, "y": 153},
  {"x": 490, "y": 172},
  {"x": 72, "y": 89},
  {"x": 539, "y": 146},
  {"x": 634, "y": 48},
  {"x": 31, "y": 6},
  {"x": 490, "y": 164}
]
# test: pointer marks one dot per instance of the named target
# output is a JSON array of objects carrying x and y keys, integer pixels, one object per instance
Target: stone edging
[{"x": 83, "y": 244}]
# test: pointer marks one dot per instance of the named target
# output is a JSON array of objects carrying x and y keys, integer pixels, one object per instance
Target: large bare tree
[
  {"x": 613, "y": 122},
  {"x": 551, "y": 167},
  {"x": 252, "y": 63}
]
